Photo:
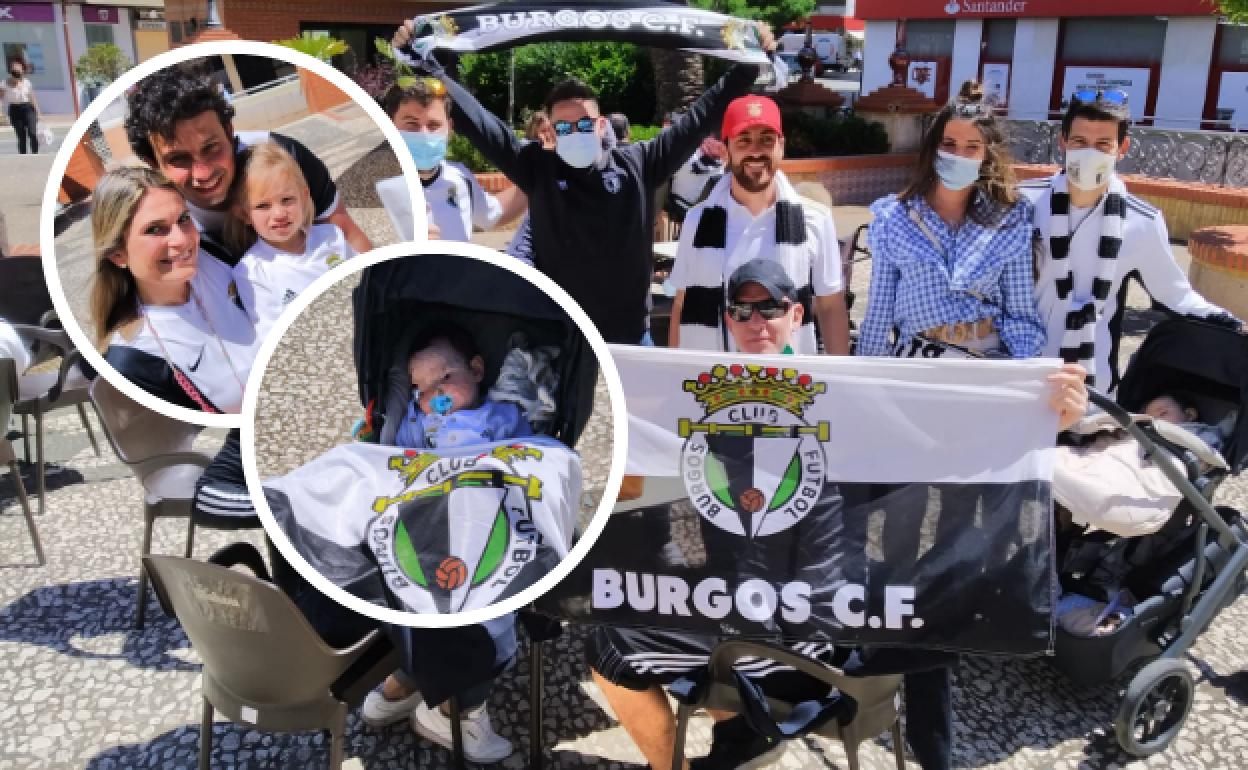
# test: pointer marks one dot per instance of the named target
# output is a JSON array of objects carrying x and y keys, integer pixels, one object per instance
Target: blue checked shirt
[{"x": 978, "y": 272}]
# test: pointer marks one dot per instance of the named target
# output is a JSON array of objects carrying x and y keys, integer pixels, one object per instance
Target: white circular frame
[
  {"x": 596, "y": 524},
  {"x": 117, "y": 89}
]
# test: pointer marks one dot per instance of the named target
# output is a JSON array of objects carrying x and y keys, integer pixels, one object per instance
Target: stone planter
[
  {"x": 1220, "y": 266},
  {"x": 83, "y": 172},
  {"x": 319, "y": 93}
]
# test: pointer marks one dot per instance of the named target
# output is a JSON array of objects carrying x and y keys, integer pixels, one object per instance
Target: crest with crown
[{"x": 725, "y": 386}]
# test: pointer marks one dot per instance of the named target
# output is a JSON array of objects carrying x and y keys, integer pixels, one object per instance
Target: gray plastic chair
[
  {"x": 876, "y": 697},
  {"x": 8, "y": 395},
  {"x": 264, "y": 665},
  {"x": 159, "y": 452},
  {"x": 44, "y": 392}
]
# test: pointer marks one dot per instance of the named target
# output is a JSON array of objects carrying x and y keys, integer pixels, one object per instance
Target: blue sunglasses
[
  {"x": 1113, "y": 96},
  {"x": 566, "y": 127}
]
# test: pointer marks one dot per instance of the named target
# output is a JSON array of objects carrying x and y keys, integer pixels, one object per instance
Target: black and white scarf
[
  {"x": 702, "y": 315},
  {"x": 658, "y": 25},
  {"x": 1083, "y": 315}
]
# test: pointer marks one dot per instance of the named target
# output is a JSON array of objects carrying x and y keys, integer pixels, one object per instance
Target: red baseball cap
[{"x": 749, "y": 111}]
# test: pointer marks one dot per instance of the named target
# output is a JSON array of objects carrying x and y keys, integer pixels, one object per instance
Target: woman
[
  {"x": 166, "y": 310},
  {"x": 951, "y": 255},
  {"x": 20, "y": 104}
]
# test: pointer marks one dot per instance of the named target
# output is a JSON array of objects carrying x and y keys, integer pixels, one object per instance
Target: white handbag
[{"x": 46, "y": 137}]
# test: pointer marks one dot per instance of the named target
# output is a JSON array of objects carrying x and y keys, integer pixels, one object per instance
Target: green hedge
[{"x": 806, "y": 136}]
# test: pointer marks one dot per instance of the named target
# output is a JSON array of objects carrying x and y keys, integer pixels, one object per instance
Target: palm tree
[{"x": 678, "y": 80}]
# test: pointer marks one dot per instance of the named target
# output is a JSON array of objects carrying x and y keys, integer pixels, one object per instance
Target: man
[
  {"x": 456, "y": 201},
  {"x": 620, "y": 127},
  {"x": 592, "y": 210},
  {"x": 1092, "y": 235},
  {"x": 757, "y": 213},
  {"x": 182, "y": 125},
  {"x": 762, "y": 314}
]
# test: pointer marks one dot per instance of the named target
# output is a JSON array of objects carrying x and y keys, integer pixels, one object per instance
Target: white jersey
[
  {"x": 1145, "y": 251},
  {"x": 457, "y": 202},
  {"x": 209, "y": 339},
  {"x": 268, "y": 280},
  {"x": 814, "y": 265}
]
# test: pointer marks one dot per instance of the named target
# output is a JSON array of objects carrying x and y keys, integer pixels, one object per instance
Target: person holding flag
[
  {"x": 1092, "y": 235},
  {"x": 591, "y": 210},
  {"x": 631, "y": 665}
]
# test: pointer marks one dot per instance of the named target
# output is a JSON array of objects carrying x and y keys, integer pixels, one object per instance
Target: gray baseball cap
[{"x": 766, "y": 273}]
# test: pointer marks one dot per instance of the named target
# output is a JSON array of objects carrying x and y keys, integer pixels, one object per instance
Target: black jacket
[{"x": 592, "y": 228}]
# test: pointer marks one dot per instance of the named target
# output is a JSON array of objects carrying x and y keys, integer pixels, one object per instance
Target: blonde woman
[{"x": 164, "y": 309}]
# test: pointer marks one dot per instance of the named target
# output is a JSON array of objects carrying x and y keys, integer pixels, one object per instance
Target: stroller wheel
[{"x": 1156, "y": 703}]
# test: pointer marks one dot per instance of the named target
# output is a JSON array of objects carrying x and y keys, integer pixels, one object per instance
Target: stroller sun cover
[{"x": 444, "y": 530}]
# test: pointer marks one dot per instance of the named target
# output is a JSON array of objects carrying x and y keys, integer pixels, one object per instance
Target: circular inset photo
[
  {"x": 434, "y": 436},
  {"x": 197, "y": 197}
]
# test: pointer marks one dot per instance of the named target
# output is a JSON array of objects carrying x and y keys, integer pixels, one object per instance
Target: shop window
[
  {"x": 1132, "y": 40},
  {"x": 998, "y": 42},
  {"x": 1233, "y": 51},
  {"x": 929, "y": 39},
  {"x": 98, "y": 33},
  {"x": 36, "y": 44}
]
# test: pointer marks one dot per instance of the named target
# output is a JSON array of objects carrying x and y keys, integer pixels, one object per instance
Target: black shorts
[{"x": 637, "y": 658}]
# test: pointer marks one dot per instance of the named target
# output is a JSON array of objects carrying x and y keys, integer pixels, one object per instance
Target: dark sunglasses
[
  {"x": 769, "y": 309},
  {"x": 1092, "y": 95},
  {"x": 566, "y": 127},
  {"x": 970, "y": 109}
]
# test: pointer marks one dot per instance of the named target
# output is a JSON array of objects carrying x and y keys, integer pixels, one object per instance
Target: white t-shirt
[
  {"x": 456, "y": 203},
  {"x": 16, "y": 94},
  {"x": 320, "y": 185},
  {"x": 268, "y": 279},
  {"x": 748, "y": 237},
  {"x": 215, "y": 352}
]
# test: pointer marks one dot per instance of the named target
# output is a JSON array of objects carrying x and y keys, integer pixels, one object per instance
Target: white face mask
[
  {"x": 1089, "y": 168},
  {"x": 579, "y": 150},
  {"x": 956, "y": 172}
]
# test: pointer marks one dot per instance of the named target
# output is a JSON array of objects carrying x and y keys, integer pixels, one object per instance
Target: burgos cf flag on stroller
[{"x": 447, "y": 529}]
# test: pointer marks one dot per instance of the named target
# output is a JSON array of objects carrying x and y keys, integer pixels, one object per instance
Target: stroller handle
[{"x": 1180, "y": 481}]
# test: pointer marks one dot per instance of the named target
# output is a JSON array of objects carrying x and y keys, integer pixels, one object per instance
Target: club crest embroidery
[
  {"x": 333, "y": 260},
  {"x": 752, "y": 465},
  {"x": 461, "y": 529}
]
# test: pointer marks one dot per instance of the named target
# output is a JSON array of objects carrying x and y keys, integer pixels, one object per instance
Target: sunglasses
[
  {"x": 566, "y": 127},
  {"x": 970, "y": 109},
  {"x": 769, "y": 309},
  {"x": 1092, "y": 95}
]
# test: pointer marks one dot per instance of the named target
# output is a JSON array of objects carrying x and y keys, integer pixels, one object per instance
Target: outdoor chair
[
  {"x": 158, "y": 449},
  {"x": 263, "y": 664},
  {"x": 43, "y": 392},
  {"x": 876, "y": 698},
  {"x": 8, "y": 395},
  {"x": 24, "y": 297}
]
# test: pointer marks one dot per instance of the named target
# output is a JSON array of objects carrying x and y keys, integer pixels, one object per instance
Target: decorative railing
[{"x": 1212, "y": 157}]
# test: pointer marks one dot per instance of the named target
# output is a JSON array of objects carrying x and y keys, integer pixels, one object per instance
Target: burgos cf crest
[
  {"x": 752, "y": 465},
  {"x": 460, "y": 531}
]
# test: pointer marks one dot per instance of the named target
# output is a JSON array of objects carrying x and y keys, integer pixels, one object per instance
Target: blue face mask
[
  {"x": 956, "y": 172},
  {"x": 428, "y": 150}
]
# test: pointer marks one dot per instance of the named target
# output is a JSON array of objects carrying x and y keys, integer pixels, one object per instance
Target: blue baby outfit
[{"x": 491, "y": 421}]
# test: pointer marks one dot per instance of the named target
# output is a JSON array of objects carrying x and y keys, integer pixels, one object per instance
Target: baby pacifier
[{"x": 441, "y": 403}]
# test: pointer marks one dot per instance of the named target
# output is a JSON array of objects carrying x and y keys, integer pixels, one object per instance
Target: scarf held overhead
[
  {"x": 504, "y": 25},
  {"x": 1084, "y": 312}
]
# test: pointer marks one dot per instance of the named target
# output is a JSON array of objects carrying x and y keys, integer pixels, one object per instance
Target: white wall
[
  {"x": 1031, "y": 74},
  {"x": 1184, "y": 68},
  {"x": 61, "y": 100},
  {"x": 967, "y": 35},
  {"x": 878, "y": 44}
]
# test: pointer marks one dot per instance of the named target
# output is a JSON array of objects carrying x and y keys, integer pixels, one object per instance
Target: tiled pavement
[{"x": 83, "y": 689}]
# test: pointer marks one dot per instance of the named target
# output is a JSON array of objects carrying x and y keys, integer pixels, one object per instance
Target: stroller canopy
[
  {"x": 399, "y": 298},
  {"x": 1205, "y": 362}
]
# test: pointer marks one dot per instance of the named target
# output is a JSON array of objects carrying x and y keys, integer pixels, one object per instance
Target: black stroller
[
  {"x": 399, "y": 298},
  {"x": 1186, "y": 572}
]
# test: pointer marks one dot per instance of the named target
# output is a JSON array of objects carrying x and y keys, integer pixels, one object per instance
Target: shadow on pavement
[{"x": 79, "y": 619}]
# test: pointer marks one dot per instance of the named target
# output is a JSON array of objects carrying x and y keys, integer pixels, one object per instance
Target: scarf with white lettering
[
  {"x": 1083, "y": 314},
  {"x": 702, "y": 315},
  {"x": 657, "y": 25}
]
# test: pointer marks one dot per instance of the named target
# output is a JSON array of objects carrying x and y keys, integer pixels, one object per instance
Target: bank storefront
[{"x": 1180, "y": 66}]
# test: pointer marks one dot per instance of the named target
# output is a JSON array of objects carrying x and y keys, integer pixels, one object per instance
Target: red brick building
[{"x": 266, "y": 20}]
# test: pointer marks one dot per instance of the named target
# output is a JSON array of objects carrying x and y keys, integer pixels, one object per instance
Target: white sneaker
[
  {"x": 379, "y": 711},
  {"x": 481, "y": 743}
]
